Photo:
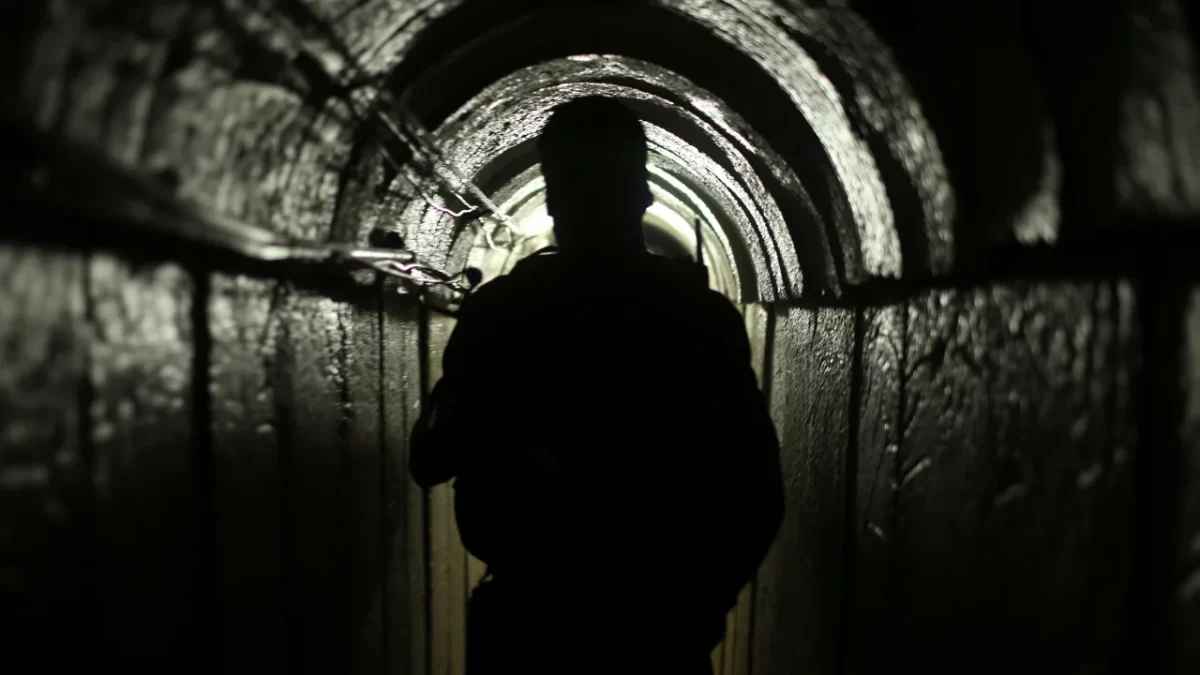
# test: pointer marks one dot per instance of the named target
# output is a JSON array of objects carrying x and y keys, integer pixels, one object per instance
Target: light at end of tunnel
[
  {"x": 537, "y": 224},
  {"x": 670, "y": 224}
]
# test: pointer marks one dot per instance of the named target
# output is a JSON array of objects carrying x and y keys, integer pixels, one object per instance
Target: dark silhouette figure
[{"x": 614, "y": 462}]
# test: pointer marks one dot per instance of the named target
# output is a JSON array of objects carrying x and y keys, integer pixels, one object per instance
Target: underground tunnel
[{"x": 961, "y": 237}]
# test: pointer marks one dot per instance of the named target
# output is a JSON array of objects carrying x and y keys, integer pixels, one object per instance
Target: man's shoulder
[
  {"x": 681, "y": 282},
  {"x": 528, "y": 275},
  {"x": 544, "y": 262},
  {"x": 687, "y": 280}
]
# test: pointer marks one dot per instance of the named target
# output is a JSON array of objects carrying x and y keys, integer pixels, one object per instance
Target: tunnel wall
[
  {"x": 968, "y": 499},
  {"x": 199, "y": 470},
  {"x": 996, "y": 470},
  {"x": 202, "y": 469}
]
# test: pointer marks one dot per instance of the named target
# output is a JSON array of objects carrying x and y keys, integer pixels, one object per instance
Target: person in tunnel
[{"x": 613, "y": 459}]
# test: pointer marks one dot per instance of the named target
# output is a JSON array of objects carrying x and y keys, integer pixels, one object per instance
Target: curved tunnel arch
[
  {"x": 809, "y": 141},
  {"x": 669, "y": 230},
  {"x": 476, "y": 136}
]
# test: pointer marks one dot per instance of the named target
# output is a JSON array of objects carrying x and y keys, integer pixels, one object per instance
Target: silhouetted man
[{"x": 614, "y": 462}]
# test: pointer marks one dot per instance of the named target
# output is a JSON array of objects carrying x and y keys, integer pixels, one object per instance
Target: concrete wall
[{"x": 960, "y": 464}]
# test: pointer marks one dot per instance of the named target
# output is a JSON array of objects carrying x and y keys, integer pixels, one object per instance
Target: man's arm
[
  {"x": 434, "y": 453},
  {"x": 763, "y": 486},
  {"x": 442, "y": 436},
  {"x": 752, "y": 460}
]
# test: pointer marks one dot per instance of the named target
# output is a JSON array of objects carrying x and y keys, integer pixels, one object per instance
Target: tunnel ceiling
[
  {"x": 745, "y": 55},
  {"x": 813, "y": 149},
  {"x": 244, "y": 105},
  {"x": 829, "y": 166},
  {"x": 491, "y": 135}
]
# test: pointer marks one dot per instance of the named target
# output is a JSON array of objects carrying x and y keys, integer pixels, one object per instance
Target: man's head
[{"x": 593, "y": 153}]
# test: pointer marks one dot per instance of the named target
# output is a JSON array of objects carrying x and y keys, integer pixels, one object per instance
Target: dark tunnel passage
[{"x": 962, "y": 237}]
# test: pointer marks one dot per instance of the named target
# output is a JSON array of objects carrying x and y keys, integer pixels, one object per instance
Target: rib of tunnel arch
[{"x": 489, "y": 139}]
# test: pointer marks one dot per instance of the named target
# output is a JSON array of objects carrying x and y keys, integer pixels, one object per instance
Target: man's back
[
  {"x": 613, "y": 459},
  {"x": 615, "y": 434}
]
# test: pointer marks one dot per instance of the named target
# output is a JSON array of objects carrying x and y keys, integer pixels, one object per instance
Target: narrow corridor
[{"x": 961, "y": 235}]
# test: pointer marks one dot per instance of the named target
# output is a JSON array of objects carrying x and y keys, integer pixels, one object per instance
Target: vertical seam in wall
[
  {"x": 281, "y": 380},
  {"x": 426, "y": 525},
  {"x": 88, "y": 540},
  {"x": 768, "y": 377},
  {"x": 893, "y": 513},
  {"x": 1103, "y": 513},
  {"x": 1140, "y": 586},
  {"x": 385, "y": 615},
  {"x": 342, "y": 488},
  {"x": 901, "y": 405},
  {"x": 850, "y": 496},
  {"x": 1118, "y": 349},
  {"x": 204, "y": 465},
  {"x": 1156, "y": 470}
]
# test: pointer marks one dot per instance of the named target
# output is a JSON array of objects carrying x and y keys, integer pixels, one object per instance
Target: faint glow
[
  {"x": 1038, "y": 220},
  {"x": 673, "y": 214},
  {"x": 528, "y": 190},
  {"x": 706, "y": 214},
  {"x": 533, "y": 229},
  {"x": 679, "y": 228},
  {"x": 537, "y": 224}
]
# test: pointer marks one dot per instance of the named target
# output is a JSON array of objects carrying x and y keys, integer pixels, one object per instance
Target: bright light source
[
  {"x": 537, "y": 224},
  {"x": 669, "y": 219}
]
